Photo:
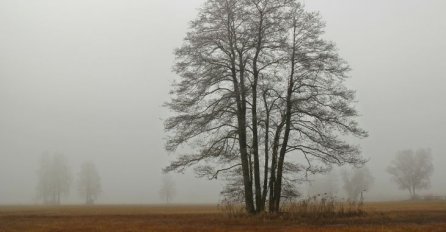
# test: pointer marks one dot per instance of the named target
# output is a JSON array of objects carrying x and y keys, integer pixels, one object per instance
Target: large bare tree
[
  {"x": 412, "y": 170},
  {"x": 257, "y": 82}
]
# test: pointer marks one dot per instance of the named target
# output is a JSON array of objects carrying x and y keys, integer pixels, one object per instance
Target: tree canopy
[{"x": 260, "y": 99}]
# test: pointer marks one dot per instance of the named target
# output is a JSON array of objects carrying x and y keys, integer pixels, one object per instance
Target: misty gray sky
[{"x": 88, "y": 78}]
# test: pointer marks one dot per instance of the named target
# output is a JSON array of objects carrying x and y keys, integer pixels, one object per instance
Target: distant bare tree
[
  {"x": 412, "y": 170},
  {"x": 356, "y": 182},
  {"x": 167, "y": 190},
  {"x": 89, "y": 184},
  {"x": 54, "y": 178}
]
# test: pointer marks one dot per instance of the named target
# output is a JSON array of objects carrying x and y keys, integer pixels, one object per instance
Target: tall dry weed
[{"x": 323, "y": 206}]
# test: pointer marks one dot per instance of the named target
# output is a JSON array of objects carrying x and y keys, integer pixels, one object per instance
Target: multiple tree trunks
[{"x": 256, "y": 76}]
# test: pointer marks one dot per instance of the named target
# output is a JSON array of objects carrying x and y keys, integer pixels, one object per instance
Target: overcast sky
[{"x": 88, "y": 78}]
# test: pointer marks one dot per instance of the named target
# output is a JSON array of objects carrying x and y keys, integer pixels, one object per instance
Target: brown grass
[{"x": 386, "y": 217}]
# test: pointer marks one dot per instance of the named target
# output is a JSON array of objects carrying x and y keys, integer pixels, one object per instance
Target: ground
[{"x": 386, "y": 217}]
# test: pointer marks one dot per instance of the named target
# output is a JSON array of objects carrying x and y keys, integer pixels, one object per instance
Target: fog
[{"x": 88, "y": 79}]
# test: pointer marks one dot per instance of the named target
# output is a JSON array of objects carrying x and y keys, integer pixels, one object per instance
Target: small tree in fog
[
  {"x": 89, "y": 183},
  {"x": 356, "y": 182},
  {"x": 54, "y": 178},
  {"x": 167, "y": 190},
  {"x": 412, "y": 170}
]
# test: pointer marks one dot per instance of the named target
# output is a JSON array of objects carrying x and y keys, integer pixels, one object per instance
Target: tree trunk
[
  {"x": 255, "y": 144},
  {"x": 245, "y": 164},
  {"x": 272, "y": 181},
  {"x": 241, "y": 118},
  {"x": 265, "y": 174},
  {"x": 284, "y": 146},
  {"x": 255, "y": 147},
  {"x": 240, "y": 97}
]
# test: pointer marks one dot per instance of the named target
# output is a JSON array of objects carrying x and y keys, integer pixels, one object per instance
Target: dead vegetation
[
  {"x": 313, "y": 208},
  {"x": 323, "y": 206}
]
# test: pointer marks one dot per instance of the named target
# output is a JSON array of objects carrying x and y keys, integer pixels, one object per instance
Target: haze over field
[{"x": 89, "y": 78}]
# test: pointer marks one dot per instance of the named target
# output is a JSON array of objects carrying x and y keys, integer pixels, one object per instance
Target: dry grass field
[{"x": 393, "y": 216}]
